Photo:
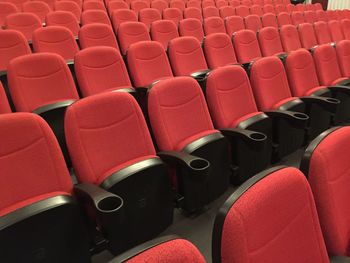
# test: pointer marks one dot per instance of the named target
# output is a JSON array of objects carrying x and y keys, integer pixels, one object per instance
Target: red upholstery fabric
[
  {"x": 207, "y": 3},
  {"x": 160, "y": 5},
  {"x": 38, "y": 8},
  {"x": 219, "y": 50},
  {"x": 234, "y": 3},
  {"x": 149, "y": 15},
  {"x": 172, "y": 14},
  {"x": 97, "y": 34},
  {"x": 254, "y": 232},
  {"x": 210, "y": 11},
  {"x": 229, "y": 96},
  {"x": 95, "y": 16},
  {"x": 269, "y": 8},
  {"x": 234, "y": 24},
  {"x": 4, "y": 104},
  {"x": 179, "y": 4},
  {"x": 194, "y": 3},
  {"x": 13, "y": 44},
  {"x": 331, "y": 15},
  {"x": 328, "y": 177},
  {"x": 290, "y": 38},
  {"x": 323, "y": 35},
  {"x": 193, "y": 12},
  {"x": 242, "y": 11},
  {"x": 345, "y": 25},
  {"x": 221, "y": 3},
  {"x": 25, "y": 23},
  {"x": 131, "y": 32},
  {"x": 227, "y": 11},
  {"x": 270, "y": 42},
  {"x": 5, "y": 10},
  {"x": 106, "y": 133},
  {"x": 327, "y": 66},
  {"x": 116, "y": 5},
  {"x": 214, "y": 25},
  {"x": 148, "y": 62},
  {"x": 269, "y": 82},
  {"x": 253, "y": 22},
  {"x": 122, "y": 15},
  {"x": 94, "y": 5},
  {"x": 256, "y": 10},
  {"x": 63, "y": 18},
  {"x": 269, "y": 19},
  {"x": 39, "y": 79},
  {"x": 343, "y": 55},
  {"x": 280, "y": 8},
  {"x": 17, "y": 3},
  {"x": 138, "y": 5},
  {"x": 31, "y": 162},
  {"x": 69, "y": 6},
  {"x": 321, "y": 16},
  {"x": 246, "y": 2},
  {"x": 178, "y": 113},
  {"x": 55, "y": 39},
  {"x": 191, "y": 27},
  {"x": 307, "y": 35},
  {"x": 246, "y": 46},
  {"x": 163, "y": 31},
  {"x": 99, "y": 69},
  {"x": 186, "y": 56},
  {"x": 336, "y": 33},
  {"x": 297, "y": 18},
  {"x": 310, "y": 17}
]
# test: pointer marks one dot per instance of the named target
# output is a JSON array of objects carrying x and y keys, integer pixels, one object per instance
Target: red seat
[
  {"x": 234, "y": 3},
  {"x": 4, "y": 104},
  {"x": 131, "y": 32},
  {"x": 64, "y": 19},
  {"x": 317, "y": 6},
  {"x": 69, "y": 6},
  {"x": 269, "y": 19},
  {"x": 331, "y": 15},
  {"x": 179, "y": 4},
  {"x": 163, "y": 31},
  {"x": 323, "y": 35},
  {"x": 149, "y": 15},
  {"x": 345, "y": 26},
  {"x": 242, "y": 11},
  {"x": 116, "y": 5},
  {"x": 270, "y": 41},
  {"x": 310, "y": 17},
  {"x": 38, "y": 8},
  {"x": 269, "y": 8},
  {"x": 214, "y": 25},
  {"x": 31, "y": 155},
  {"x": 180, "y": 119},
  {"x": 290, "y": 8},
  {"x": 148, "y": 63},
  {"x": 221, "y": 3},
  {"x": 290, "y": 38},
  {"x": 246, "y": 2},
  {"x": 138, "y": 5},
  {"x": 249, "y": 216},
  {"x": 26, "y": 23},
  {"x": 219, "y": 50},
  {"x": 280, "y": 8},
  {"x": 246, "y": 45},
  {"x": 17, "y": 3},
  {"x": 95, "y": 16},
  {"x": 160, "y": 5},
  {"x": 207, "y": 3},
  {"x": 5, "y": 10},
  {"x": 335, "y": 31},
  {"x": 227, "y": 11},
  {"x": 172, "y": 14},
  {"x": 94, "y": 5},
  {"x": 193, "y": 12},
  {"x": 284, "y": 19},
  {"x": 297, "y": 18},
  {"x": 321, "y": 16},
  {"x": 210, "y": 11},
  {"x": 55, "y": 39},
  {"x": 97, "y": 34},
  {"x": 121, "y": 16},
  {"x": 234, "y": 24},
  {"x": 253, "y": 22},
  {"x": 300, "y": 7},
  {"x": 256, "y": 10},
  {"x": 191, "y": 27},
  {"x": 194, "y": 3},
  {"x": 343, "y": 53},
  {"x": 13, "y": 44},
  {"x": 307, "y": 35}
]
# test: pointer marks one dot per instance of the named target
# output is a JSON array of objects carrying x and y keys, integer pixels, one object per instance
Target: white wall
[{"x": 336, "y": 4}]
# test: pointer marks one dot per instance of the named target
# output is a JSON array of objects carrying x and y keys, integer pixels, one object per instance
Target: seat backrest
[
  {"x": 172, "y": 14},
  {"x": 321, "y": 16},
  {"x": 94, "y": 5},
  {"x": 227, "y": 11},
  {"x": 290, "y": 8},
  {"x": 186, "y": 56},
  {"x": 269, "y": 19},
  {"x": 163, "y": 31},
  {"x": 246, "y": 2},
  {"x": 297, "y": 18},
  {"x": 326, "y": 167},
  {"x": 179, "y": 4},
  {"x": 234, "y": 3},
  {"x": 345, "y": 26},
  {"x": 95, "y": 16},
  {"x": 124, "y": 136},
  {"x": 270, "y": 41},
  {"x": 242, "y": 11},
  {"x": 301, "y": 71},
  {"x": 178, "y": 113},
  {"x": 214, "y": 25},
  {"x": 284, "y": 19},
  {"x": 100, "y": 69},
  {"x": 331, "y": 15},
  {"x": 147, "y": 63},
  {"x": 17, "y": 3},
  {"x": 221, "y": 3},
  {"x": 310, "y": 16},
  {"x": 138, "y": 5},
  {"x": 207, "y": 3},
  {"x": 219, "y": 50},
  {"x": 122, "y": 15},
  {"x": 343, "y": 55},
  {"x": 13, "y": 44},
  {"x": 69, "y": 6},
  {"x": 269, "y": 82},
  {"x": 300, "y": 7},
  {"x": 210, "y": 11},
  {"x": 307, "y": 35},
  {"x": 229, "y": 96},
  {"x": 194, "y": 3},
  {"x": 256, "y": 10},
  {"x": 253, "y": 22},
  {"x": 249, "y": 216},
  {"x": 55, "y": 39},
  {"x": 334, "y": 27},
  {"x": 97, "y": 34},
  {"x": 323, "y": 35},
  {"x": 39, "y": 8},
  {"x": 327, "y": 65},
  {"x": 131, "y": 32},
  {"x": 25, "y": 23},
  {"x": 269, "y": 8},
  {"x": 246, "y": 46},
  {"x": 290, "y": 38},
  {"x": 65, "y": 19},
  {"x": 4, "y": 104},
  {"x": 191, "y": 27},
  {"x": 5, "y": 10},
  {"x": 234, "y": 24},
  {"x": 149, "y": 15},
  {"x": 116, "y": 5},
  {"x": 280, "y": 8},
  {"x": 30, "y": 155},
  {"x": 40, "y": 79},
  {"x": 160, "y": 5},
  {"x": 193, "y": 12}
]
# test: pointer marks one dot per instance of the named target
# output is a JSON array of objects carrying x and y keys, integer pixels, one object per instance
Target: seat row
[{"x": 312, "y": 227}]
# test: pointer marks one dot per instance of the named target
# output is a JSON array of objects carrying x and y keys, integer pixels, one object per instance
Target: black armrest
[
  {"x": 339, "y": 259},
  {"x": 53, "y": 106},
  {"x": 130, "y": 90},
  {"x": 345, "y": 82},
  {"x": 298, "y": 119},
  {"x": 329, "y": 104},
  {"x": 250, "y": 137},
  {"x": 342, "y": 89},
  {"x": 198, "y": 75},
  {"x": 147, "y": 88}
]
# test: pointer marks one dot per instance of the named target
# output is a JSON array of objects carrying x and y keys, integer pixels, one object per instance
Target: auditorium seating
[
  {"x": 269, "y": 19},
  {"x": 256, "y": 10},
  {"x": 290, "y": 38},
  {"x": 38, "y": 8},
  {"x": 253, "y": 22},
  {"x": 94, "y": 5},
  {"x": 210, "y": 11},
  {"x": 69, "y": 6},
  {"x": 138, "y": 5},
  {"x": 116, "y": 5},
  {"x": 307, "y": 35},
  {"x": 345, "y": 25},
  {"x": 94, "y": 16},
  {"x": 323, "y": 35},
  {"x": 63, "y": 18},
  {"x": 234, "y": 24},
  {"x": 227, "y": 11},
  {"x": 97, "y": 34},
  {"x": 297, "y": 18},
  {"x": 310, "y": 17},
  {"x": 283, "y": 19},
  {"x": 335, "y": 31},
  {"x": 246, "y": 46},
  {"x": 25, "y": 23},
  {"x": 163, "y": 31},
  {"x": 160, "y": 5},
  {"x": 149, "y": 15},
  {"x": 131, "y": 32},
  {"x": 122, "y": 15},
  {"x": 270, "y": 42},
  {"x": 4, "y": 104},
  {"x": 191, "y": 27},
  {"x": 5, "y": 10},
  {"x": 193, "y": 12},
  {"x": 172, "y": 14},
  {"x": 343, "y": 52},
  {"x": 213, "y": 25}
]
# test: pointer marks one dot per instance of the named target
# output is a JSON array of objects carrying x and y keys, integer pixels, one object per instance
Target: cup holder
[
  {"x": 257, "y": 136},
  {"x": 301, "y": 116},
  {"x": 199, "y": 164},
  {"x": 334, "y": 101},
  {"x": 110, "y": 204}
]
